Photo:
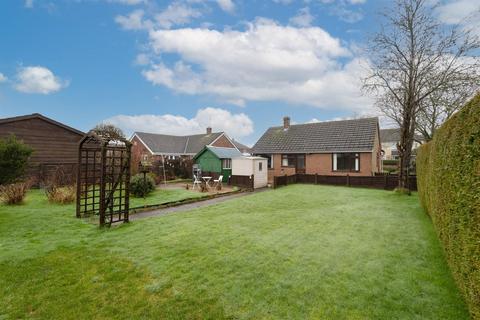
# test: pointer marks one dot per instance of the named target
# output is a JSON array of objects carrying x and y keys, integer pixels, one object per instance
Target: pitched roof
[
  {"x": 356, "y": 135},
  {"x": 168, "y": 144},
  {"x": 393, "y": 135},
  {"x": 222, "y": 153},
  {"x": 240, "y": 146},
  {"x": 42, "y": 117}
]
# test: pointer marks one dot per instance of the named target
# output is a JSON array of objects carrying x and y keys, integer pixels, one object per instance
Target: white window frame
[{"x": 226, "y": 163}]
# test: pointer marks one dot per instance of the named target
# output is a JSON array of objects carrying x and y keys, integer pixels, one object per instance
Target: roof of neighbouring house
[
  {"x": 356, "y": 135},
  {"x": 42, "y": 117},
  {"x": 168, "y": 144},
  {"x": 240, "y": 146},
  {"x": 393, "y": 135},
  {"x": 221, "y": 153}
]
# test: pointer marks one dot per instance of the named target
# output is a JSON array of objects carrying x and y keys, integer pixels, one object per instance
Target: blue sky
[{"x": 178, "y": 66}]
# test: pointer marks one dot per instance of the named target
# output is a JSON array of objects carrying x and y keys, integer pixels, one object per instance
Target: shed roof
[
  {"x": 356, "y": 135},
  {"x": 42, "y": 117},
  {"x": 221, "y": 153}
]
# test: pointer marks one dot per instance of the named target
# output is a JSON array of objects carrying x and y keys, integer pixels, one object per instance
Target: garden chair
[
  {"x": 196, "y": 182},
  {"x": 217, "y": 182}
]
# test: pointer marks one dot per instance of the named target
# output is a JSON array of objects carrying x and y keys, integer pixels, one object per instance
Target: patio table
[{"x": 207, "y": 181}]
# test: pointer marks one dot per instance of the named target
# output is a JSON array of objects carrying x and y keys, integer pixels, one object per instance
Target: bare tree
[
  {"x": 109, "y": 131},
  {"x": 413, "y": 58},
  {"x": 441, "y": 105}
]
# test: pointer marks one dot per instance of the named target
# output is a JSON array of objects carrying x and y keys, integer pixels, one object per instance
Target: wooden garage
[{"x": 54, "y": 144}]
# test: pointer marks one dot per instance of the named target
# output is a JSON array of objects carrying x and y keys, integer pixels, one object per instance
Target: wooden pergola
[{"x": 103, "y": 178}]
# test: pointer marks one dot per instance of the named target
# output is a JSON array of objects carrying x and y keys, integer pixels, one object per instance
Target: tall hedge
[{"x": 448, "y": 172}]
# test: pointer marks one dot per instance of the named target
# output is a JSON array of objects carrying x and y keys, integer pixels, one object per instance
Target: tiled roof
[
  {"x": 243, "y": 148},
  {"x": 356, "y": 135},
  {"x": 167, "y": 144},
  {"x": 393, "y": 135},
  {"x": 225, "y": 153}
]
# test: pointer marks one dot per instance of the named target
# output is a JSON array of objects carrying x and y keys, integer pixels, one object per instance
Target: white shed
[{"x": 248, "y": 165}]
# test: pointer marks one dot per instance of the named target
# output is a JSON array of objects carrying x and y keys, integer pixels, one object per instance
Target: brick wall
[
  {"x": 321, "y": 163},
  {"x": 223, "y": 142}
]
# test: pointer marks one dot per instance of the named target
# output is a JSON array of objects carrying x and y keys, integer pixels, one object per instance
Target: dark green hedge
[
  {"x": 448, "y": 172},
  {"x": 390, "y": 162}
]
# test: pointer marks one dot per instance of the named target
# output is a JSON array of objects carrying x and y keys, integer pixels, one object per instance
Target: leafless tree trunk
[{"x": 413, "y": 57}]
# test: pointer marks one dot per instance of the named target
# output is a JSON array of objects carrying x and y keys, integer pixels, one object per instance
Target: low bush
[
  {"x": 141, "y": 186},
  {"x": 390, "y": 162},
  {"x": 14, "y": 193},
  {"x": 448, "y": 172},
  {"x": 14, "y": 155},
  {"x": 62, "y": 195}
]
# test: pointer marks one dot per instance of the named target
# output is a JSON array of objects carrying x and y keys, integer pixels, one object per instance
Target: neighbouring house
[
  {"x": 390, "y": 138},
  {"x": 174, "y": 150},
  {"x": 251, "y": 165},
  {"x": 245, "y": 150},
  {"x": 325, "y": 148},
  {"x": 217, "y": 160},
  {"x": 54, "y": 144}
]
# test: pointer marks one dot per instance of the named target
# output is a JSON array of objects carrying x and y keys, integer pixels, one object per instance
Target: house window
[
  {"x": 288, "y": 160},
  {"x": 269, "y": 160},
  {"x": 346, "y": 162},
  {"x": 145, "y": 157},
  {"x": 227, "y": 163},
  {"x": 260, "y": 166}
]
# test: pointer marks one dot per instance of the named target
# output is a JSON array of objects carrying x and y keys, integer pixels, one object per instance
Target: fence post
[
  {"x": 274, "y": 182},
  {"x": 348, "y": 180},
  {"x": 252, "y": 182}
]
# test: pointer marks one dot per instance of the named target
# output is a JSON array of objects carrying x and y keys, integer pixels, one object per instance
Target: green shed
[{"x": 216, "y": 159}]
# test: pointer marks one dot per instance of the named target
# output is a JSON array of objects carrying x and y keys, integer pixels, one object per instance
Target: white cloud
[
  {"x": 3, "y": 78},
  {"x": 38, "y": 79},
  {"x": 265, "y": 62},
  {"x": 133, "y": 21},
  {"x": 303, "y": 18},
  {"x": 176, "y": 14},
  {"x": 142, "y": 59},
  {"x": 226, "y": 5},
  {"x": 28, "y": 4},
  {"x": 456, "y": 11},
  {"x": 236, "y": 125}
]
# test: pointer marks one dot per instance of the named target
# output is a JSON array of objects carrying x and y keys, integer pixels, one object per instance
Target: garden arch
[{"x": 103, "y": 178}]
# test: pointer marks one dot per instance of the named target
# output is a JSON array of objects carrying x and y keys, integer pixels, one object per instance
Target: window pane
[{"x": 301, "y": 161}]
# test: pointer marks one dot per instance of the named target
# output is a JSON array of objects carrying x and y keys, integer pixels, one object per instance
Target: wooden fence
[
  {"x": 246, "y": 182},
  {"x": 387, "y": 182}
]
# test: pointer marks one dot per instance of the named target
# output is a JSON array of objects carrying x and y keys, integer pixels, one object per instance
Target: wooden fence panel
[
  {"x": 388, "y": 182},
  {"x": 246, "y": 182}
]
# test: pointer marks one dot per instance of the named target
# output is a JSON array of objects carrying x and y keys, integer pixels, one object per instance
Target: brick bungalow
[
  {"x": 156, "y": 147},
  {"x": 325, "y": 148}
]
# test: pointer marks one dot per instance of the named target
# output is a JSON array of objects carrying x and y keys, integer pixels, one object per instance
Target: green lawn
[
  {"x": 162, "y": 195},
  {"x": 293, "y": 253}
]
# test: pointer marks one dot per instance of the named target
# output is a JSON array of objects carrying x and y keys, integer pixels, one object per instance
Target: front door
[{"x": 300, "y": 164}]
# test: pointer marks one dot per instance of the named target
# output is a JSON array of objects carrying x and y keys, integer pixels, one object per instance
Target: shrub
[
  {"x": 390, "y": 162},
  {"x": 62, "y": 195},
  {"x": 448, "y": 172},
  {"x": 14, "y": 156},
  {"x": 14, "y": 193},
  {"x": 141, "y": 186}
]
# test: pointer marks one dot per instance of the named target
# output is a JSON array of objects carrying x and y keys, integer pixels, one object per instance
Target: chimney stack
[
  {"x": 209, "y": 130},
  {"x": 286, "y": 123}
]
